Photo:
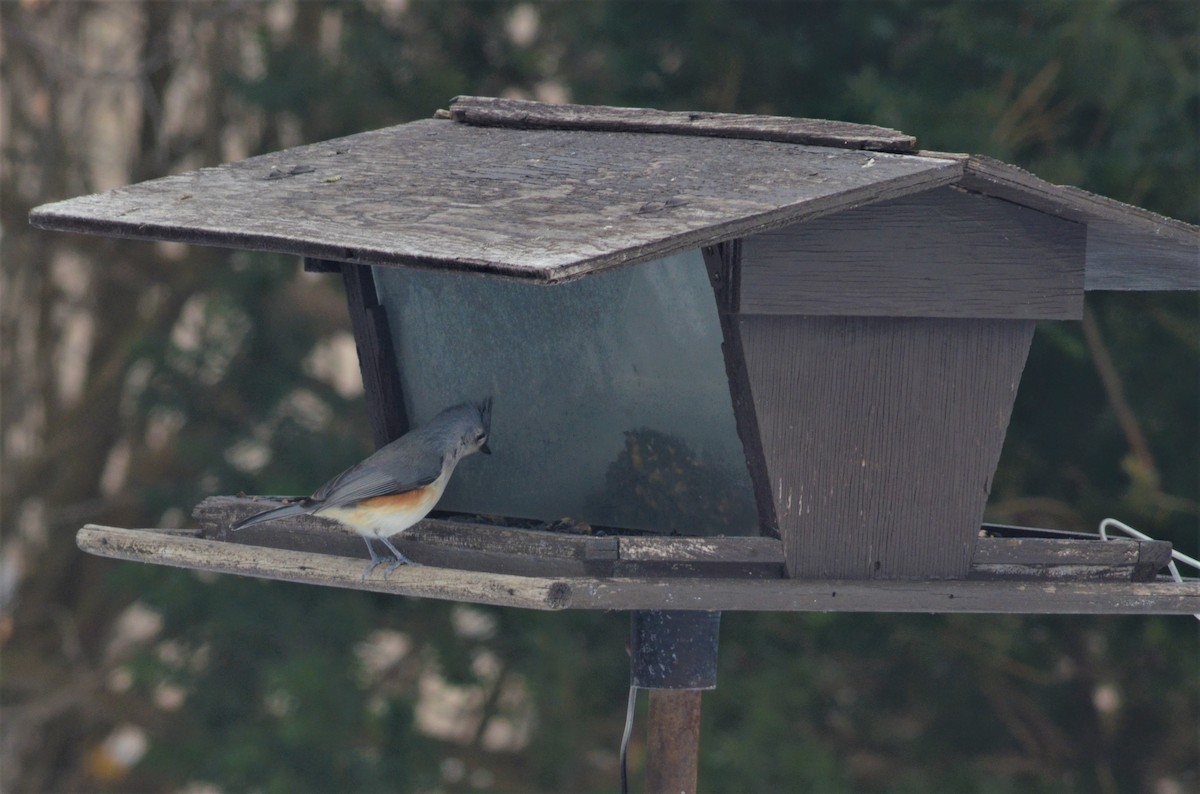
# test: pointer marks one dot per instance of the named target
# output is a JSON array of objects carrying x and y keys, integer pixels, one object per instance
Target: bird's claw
[
  {"x": 372, "y": 565},
  {"x": 397, "y": 564}
]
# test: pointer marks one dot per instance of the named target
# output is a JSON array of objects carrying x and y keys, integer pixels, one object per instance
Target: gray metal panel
[
  {"x": 545, "y": 205},
  {"x": 942, "y": 253}
]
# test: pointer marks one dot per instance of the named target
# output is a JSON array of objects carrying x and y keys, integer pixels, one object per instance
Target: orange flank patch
[
  {"x": 410, "y": 500},
  {"x": 383, "y": 516}
]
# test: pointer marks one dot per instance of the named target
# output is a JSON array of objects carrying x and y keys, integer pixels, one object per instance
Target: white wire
[
  {"x": 625, "y": 738},
  {"x": 1175, "y": 555}
]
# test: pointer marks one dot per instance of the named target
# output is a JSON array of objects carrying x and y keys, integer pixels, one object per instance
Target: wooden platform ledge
[{"x": 184, "y": 549}]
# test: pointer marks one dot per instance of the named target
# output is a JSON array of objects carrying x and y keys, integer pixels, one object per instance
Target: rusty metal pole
[
  {"x": 674, "y": 655},
  {"x": 672, "y": 741}
]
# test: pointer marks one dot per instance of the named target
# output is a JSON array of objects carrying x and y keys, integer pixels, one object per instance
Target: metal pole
[
  {"x": 674, "y": 655},
  {"x": 672, "y": 741}
]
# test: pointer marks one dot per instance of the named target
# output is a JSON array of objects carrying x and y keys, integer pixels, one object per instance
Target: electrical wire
[{"x": 625, "y": 738}]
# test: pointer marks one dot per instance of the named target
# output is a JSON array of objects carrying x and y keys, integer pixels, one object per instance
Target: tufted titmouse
[{"x": 398, "y": 485}]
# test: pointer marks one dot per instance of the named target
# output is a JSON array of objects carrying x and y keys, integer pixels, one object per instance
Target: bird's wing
[{"x": 391, "y": 470}]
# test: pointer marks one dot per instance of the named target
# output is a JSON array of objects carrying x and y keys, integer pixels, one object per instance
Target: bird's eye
[{"x": 479, "y": 438}]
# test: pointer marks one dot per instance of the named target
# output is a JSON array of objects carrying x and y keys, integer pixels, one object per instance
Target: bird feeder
[{"x": 758, "y": 363}]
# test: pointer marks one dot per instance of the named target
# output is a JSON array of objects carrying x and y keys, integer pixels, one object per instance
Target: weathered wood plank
[
  {"x": 1024, "y": 551},
  {"x": 799, "y": 595},
  {"x": 480, "y": 547},
  {"x": 729, "y": 557},
  {"x": 942, "y": 253},
  {"x": 477, "y": 547},
  {"x": 1069, "y": 558},
  {"x": 458, "y": 544},
  {"x": 1153, "y": 556},
  {"x": 376, "y": 355},
  {"x": 216, "y": 513},
  {"x": 684, "y": 549},
  {"x": 1129, "y": 248},
  {"x": 525, "y": 114},
  {"x": 1119, "y": 258},
  {"x": 1061, "y": 572},
  {"x": 543, "y": 205},
  {"x": 881, "y": 436},
  {"x": 182, "y": 550},
  {"x": 1040, "y": 560},
  {"x": 996, "y": 178},
  {"x": 423, "y": 581}
]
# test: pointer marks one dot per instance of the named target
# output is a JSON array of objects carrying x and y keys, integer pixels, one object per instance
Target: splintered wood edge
[
  {"x": 184, "y": 550},
  {"x": 181, "y": 551}
]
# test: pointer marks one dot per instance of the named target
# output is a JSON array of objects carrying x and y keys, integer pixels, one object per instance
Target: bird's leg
[
  {"x": 376, "y": 560},
  {"x": 400, "y": 558}
]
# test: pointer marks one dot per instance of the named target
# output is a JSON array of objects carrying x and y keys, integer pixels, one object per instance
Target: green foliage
[{"x": 1098, "y": 94}]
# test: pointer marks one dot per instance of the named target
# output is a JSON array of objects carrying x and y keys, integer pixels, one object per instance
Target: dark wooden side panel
[
  {"x": 376, "y": 357},
  {"x": 880, "y": 436},
  {"x": 942, "y": 253},
  {"x": 1119, "y": 258},
  {"x": 1129, "y": 248},
  {"x": 722, "y": 263}
]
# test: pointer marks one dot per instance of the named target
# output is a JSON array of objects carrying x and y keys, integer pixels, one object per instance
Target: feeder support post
[{"x": 673, "y": 653}]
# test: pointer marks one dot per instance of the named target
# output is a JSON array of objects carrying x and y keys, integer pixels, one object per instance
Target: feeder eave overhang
[
  {"x": 550, "y": 193},
  {"x": 539, "y": 205}
]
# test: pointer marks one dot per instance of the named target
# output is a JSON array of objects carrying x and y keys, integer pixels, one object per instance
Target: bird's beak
[{"x": 485, "y": 449}]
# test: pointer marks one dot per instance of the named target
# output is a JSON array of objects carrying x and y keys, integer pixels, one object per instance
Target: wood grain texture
[
  {"x": 376, "y": 356},
  {"x": 768, "y": 551},
  {"x": 182, "y": 549},
  {"x": 732, "y": 557},
  {"x": 479, "y": 547},
  {"x": 457, "y": 544},
  {"x": 1038, "y": 558},
  {"x": 1123, "y": 259},
  {"x": 423, "y": 581},
  {"x": 800, "y": 595},
  {"x": 881, "y": 436},
  {"x": 942, "y": 253},
  {"x": 526, "y": 114},
  {"x": 1129, "y": 248},
  {"x": 545, "y": 205}
]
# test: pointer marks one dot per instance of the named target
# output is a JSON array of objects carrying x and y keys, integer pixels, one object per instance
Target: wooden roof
[{"x": 550, "y": 193}]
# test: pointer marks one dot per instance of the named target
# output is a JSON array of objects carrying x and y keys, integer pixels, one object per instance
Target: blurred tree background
[{"x": 139, "y": 378}]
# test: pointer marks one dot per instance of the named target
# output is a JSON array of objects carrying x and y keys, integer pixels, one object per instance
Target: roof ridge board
[{"x": 528, "y": 114}]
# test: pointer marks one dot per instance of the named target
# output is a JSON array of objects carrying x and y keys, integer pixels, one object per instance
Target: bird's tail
[{"x": 294, "y": 509}]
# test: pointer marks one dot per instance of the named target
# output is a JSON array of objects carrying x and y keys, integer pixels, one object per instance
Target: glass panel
[{"x": 611, "y": 401}]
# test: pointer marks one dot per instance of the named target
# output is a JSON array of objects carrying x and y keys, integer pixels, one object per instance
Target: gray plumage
[{"x": 414, "y": 460}]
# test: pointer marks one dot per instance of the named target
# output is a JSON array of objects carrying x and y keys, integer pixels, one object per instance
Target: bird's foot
[
  {"x": 372, "y": 565},
  {"x": 376, "y": 560},
  {"x": 400, "y": 560}
]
